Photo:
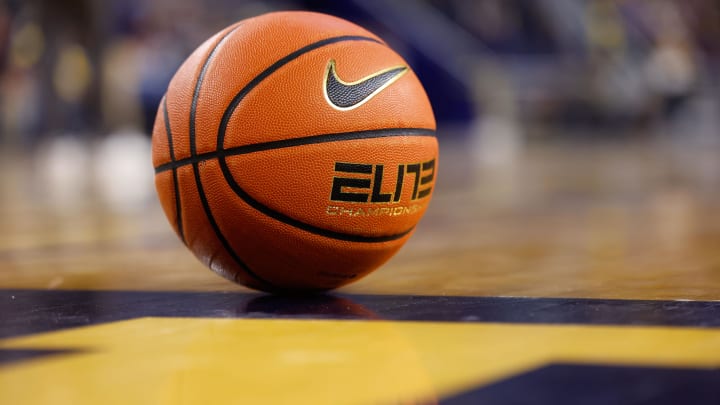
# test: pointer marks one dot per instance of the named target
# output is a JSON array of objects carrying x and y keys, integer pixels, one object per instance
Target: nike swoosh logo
[{"x": 345, "y": 96}]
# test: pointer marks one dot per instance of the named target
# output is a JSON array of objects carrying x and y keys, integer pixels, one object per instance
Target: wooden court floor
[{"x": 571, "y": 273}]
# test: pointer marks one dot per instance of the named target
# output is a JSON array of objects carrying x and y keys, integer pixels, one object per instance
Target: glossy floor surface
[{"x": 555, "y": 272}]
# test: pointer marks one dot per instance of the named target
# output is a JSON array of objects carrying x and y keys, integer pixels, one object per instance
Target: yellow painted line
[{"x": 249, "y": 361}]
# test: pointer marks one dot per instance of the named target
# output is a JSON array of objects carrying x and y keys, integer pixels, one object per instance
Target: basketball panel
[
  {"x": 291, "y": 103},
  {"x": 287, "y": 256},
  {"x": 165, "y": 186},
  {"x": 179, "y": 99},
  {"x": 255, "y": 46},
  {"x": 160, "y": 140},
  {"x": 370, "y": 187}
]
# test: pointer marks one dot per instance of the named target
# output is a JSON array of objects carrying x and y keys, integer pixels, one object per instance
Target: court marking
[
  {"x": 34, "y": 311},
  {"x": 590, "y": 384},
  {"x": 326, "y": 361},
  {"x": 12, "y": 356},
  {"x": 444, "y": 348}
]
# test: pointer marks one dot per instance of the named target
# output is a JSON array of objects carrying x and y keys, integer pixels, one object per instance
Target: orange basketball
[{"x": 294, "y": 151}]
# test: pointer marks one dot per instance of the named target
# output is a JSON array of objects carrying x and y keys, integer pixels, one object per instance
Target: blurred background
[
  {"x": 548, "y": 103},
  {"x": 91, "y": 68}
]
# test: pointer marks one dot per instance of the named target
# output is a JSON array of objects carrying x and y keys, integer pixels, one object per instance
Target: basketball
[{"x": 294, "y": 151}]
